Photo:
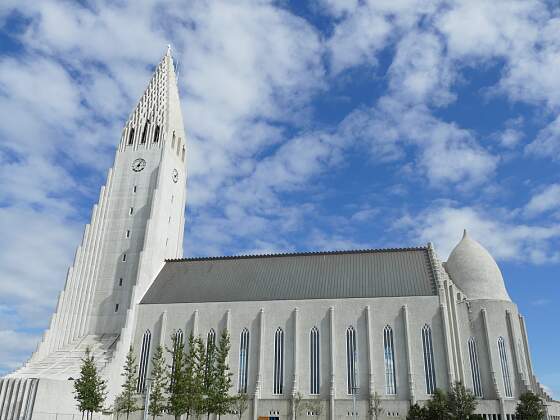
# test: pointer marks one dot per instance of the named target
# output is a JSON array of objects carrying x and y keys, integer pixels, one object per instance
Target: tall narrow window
[
  {"x": 116, "y": 307},
  {"x": 173, "y": 140},
  {"x": 131, "y": 210},
  {"x": 351, "y": 360},
  {"x": 124, "y": 257},
  {"x": 389, "y": 357},
  {"x": 145, "y": 132},
  {"x": 156, "y": 134},
  {"x": 429, "y": 368},
  {"x": 278, "y": 386},
  {"x": 144, "y": 358},
  {"x": 505, "y": 366},
  {"x": 314, "y": 361},
  {"x": 475, "y": 369},
  {"x": 128, "y": 233},
  {"x": 131, "y": 136},
  {"x": 211, "y": 338},
  {"x": 178, "y": 145},
  {"x": 243, "y": 361},
  {"x": 183, "y": 154},
  {"x": 177, "y": 341},
  {"x": 120, "y": 281}
]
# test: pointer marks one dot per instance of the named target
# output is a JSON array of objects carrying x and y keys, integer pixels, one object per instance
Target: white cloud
[
  {"x": 547, "y": 142},
  {"x": 14, "y": 346},
  {"x": 504, "y": 239},
  {"x": 546, "y": 200}
]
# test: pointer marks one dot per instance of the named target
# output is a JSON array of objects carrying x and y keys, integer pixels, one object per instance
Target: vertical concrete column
[
  {"x": 3, "y": 388},
  {"x": 458, "y": 338},
  {"x": 13, "y": 398},
  {"x": 490, "y": 347},
  {"x": 332, "y": 392},
  {"x": 448, "y": 344},
  {"x": 409, "y": 363},
  {"x": 228, "y": 329},
  {"x": 295, "y": 385},
  {"x": 370, "y": 351},
  {"x": 195, "y": 323},
  {"x": 258, "y": 382},
  {"x": 527, "y": 353},
  {"x": 163, "y": 328},
  {"x": 516, "y": 355}
]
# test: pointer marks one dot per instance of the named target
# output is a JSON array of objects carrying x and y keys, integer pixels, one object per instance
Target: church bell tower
[{"x": 137, "y": 223}]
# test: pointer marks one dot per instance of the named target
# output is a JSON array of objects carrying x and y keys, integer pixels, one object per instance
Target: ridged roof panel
[{"x": 329, "y": 275}]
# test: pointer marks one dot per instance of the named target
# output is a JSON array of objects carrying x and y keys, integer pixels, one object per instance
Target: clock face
[
  {"x": 175, "y": 175},
  {"x": 138, "y": 165}
]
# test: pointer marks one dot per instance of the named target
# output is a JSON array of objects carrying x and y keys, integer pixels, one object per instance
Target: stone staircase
[{"x": 66, "y": 362}]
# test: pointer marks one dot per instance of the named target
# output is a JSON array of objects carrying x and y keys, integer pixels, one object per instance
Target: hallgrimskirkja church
[{"x": 333, "y": 326}]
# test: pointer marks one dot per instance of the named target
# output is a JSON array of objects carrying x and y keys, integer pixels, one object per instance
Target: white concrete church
[{"x": 329, "y": 325}]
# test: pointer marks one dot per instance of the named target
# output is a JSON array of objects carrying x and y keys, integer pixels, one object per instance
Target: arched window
[
  {"x": 505, "y": 366},
  {"x": 475, "y": 369},
  {"x": 144, "y": 132},
  {"x": 156, "y": 134},
  {"x": 429, "y": 368},
  {"x": 351, "y": 360},
  {"x": 131, "y": 136},
  {"x": 144, "y": 358},
  {"x": 314, "y": 361},
  {"x": 211, "y": 338},
  {"x": 177, "y": 341},
  {"x": 243, "y": 360},
  {"x": 278, "y": 362},
  {"x": 389, "y": 356}
]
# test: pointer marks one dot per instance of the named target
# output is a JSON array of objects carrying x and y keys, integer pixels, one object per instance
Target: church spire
[{"x": 149, "y": 120}]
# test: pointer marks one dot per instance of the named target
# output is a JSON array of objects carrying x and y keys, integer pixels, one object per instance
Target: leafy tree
[
  {"x": 127, "y": 398},
  {"x": 297, "y": 404},
  {"x": 210, "y": 376},
  {"x": 374, "y": 406},
  {"x": 195, "y": 368},
  {"x": 461, "y": 402},
  {"x": 159, "y": 384},
  {"x": 177, "y": 403},
  {"x": 437, "y": 406},
  {"x": 417, "y": 413},
  {"x": 221, "y": 400},
  {"x": 315, "y": 406},
  {"x": 89, "y": 388},
  {"x": 530, "y": 407},
  {"x": 240, "y": 404}
]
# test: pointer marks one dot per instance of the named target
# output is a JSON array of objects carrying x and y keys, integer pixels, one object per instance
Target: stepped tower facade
[{"x": 137, "y": 223}]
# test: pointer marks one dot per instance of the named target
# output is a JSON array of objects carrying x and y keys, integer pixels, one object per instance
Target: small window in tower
[
  {"x": 124, "y": 257},
  {"x": 166, "y": 241},
  {"x": 117, "y": 307},
  {"x": 172, "y": 197},
  {"x": 131, "y": 210},
  {"x": 169, "y": 220},
  {"x": 145, "y": 132},
  {"x": 178, "y": 145},
  {"x": 131, "y": 136},
  {"x": 183, "y": 154},
  {"x": 173, "y": 140},
  {"x": 128, "y": 233},
  {"x": 156, "y": 134},
  {"x": 120, "y": 282},
  {"x": 134, "y": 189}
]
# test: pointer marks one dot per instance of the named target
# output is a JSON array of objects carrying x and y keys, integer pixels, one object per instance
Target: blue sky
[{"x": 312, "y": 125}]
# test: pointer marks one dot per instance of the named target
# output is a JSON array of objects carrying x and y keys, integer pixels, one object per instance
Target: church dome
[{"x": 472, "y": 268}]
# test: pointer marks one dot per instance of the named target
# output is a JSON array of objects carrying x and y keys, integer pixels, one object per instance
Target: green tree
[
  {"x": 89, "y": 388},
  {"x": 298, "y": 404},
  {"x": 461, "y": 402},
  {"x": 127, "y": 398},
  {"x": 374, "y": 409},
  {"x": 159, "y": 384},
  {"x": 221, "y": 400},
  {"x": 530, "y": 407},
  {"x": 194, "y": 377},
  {"x": 417, "y": 413},
  {"x": 240, "y": 404},
  {"x": 210, "y": 377},
  {"x": 177, "y": 384},
  {"x": 437, "y": 407}
]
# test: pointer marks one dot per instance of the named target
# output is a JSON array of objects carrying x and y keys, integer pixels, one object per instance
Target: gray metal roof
[{"x": 328, "y": 275}]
